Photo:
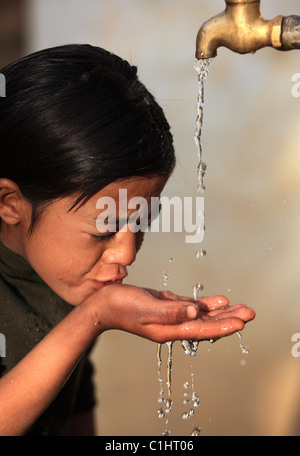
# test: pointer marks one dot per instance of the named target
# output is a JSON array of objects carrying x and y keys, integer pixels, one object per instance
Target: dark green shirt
[{"x": 29, "y": 309}]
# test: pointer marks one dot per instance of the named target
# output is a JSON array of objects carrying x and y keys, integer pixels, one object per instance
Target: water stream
[
  {"x": 202, "y": 68},
  {"x": 190, "y": 397},
  {"x": 190, "y": 347}
]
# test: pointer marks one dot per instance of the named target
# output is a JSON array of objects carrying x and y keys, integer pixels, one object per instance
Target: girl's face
[{"x": 70, "y": 254}]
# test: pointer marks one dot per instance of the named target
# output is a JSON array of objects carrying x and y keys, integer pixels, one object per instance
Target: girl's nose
[{"x": 121, "y": 249}]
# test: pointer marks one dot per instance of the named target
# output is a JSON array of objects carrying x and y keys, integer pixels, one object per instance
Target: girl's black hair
[{"x": 75, "y": 119}]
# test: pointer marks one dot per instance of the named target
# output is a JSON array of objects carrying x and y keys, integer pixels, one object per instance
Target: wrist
[{"x": 89, "y": 312}]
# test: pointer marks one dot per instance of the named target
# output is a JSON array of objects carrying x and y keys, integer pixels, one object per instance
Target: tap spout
[
  {"x": 241, "y": 28},
  {"x": 291, "y": 33}
]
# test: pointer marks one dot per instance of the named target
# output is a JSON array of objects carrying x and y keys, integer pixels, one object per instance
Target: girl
[{"x": 77, "y": 125}]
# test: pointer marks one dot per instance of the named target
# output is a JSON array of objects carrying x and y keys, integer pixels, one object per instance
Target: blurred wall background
[
  {"x": 251, "y": 144},
  {"x": 12, "y": 30}
]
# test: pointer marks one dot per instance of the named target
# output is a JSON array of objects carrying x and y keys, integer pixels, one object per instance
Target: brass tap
[{"x": 242, "y": 29}]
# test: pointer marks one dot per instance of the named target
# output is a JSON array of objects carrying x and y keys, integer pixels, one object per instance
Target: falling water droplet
[
  {"x": 186, "y": 398},
  {"x": 196, "y": 432},
  {"x": 200, "y": 253},
  {"x": 169, "y": 404},
  {"x": 244, "y": 349},
  {"x": 164, "y": 280},
  {"x": 160, "y": 413},
  {"x": 197, "y": 290},
  {"x": 195, "y": 400}
]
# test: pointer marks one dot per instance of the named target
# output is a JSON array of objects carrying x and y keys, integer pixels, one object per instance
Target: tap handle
[{"x": 291, "y": 33}]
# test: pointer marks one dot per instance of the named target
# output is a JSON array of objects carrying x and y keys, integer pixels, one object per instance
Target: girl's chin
[{"x": 76, "y": 295}]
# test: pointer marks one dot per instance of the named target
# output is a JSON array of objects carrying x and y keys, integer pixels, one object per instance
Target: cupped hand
[{"x": 164, "y": 316}]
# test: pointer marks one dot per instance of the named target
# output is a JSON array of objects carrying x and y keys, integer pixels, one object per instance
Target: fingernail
[{"x": 192, "y": 312}]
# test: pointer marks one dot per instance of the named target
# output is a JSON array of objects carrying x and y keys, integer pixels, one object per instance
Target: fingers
[
  {"x": 169, "y": 296},
  {"x": 205, "y": 303},
  {"x": 164, "y": 316},
  {"x": 215, "y": 324},
  {"x": 177, "y": 312},
  {"x": 196, "y": 330},
  {"x": 212, "y": 303},
  {"x": 172, "y": 312},
  {"x": 240, "y": 311},
  {"x": 212, "y": 329}
]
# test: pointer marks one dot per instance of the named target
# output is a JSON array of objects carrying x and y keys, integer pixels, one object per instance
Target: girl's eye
[{"x": 103, "y": 237}]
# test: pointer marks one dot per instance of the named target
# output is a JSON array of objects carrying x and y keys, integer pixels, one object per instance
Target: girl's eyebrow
[
  {"x": 119, "y": 222},
  {"x": 91, "y": 221}
]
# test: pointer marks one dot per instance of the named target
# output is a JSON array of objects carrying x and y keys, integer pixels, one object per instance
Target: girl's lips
[{"x": 98, "y": 284}]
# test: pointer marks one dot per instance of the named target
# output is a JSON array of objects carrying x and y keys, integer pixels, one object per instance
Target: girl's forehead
[
  {"x": 134, "y": 187},
  {"x": 121, "y": 192}
]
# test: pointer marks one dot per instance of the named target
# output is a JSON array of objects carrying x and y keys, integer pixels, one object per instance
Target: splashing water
[
  {"x": 190, "y": 397},
  {"x": 190, "y": 347}
]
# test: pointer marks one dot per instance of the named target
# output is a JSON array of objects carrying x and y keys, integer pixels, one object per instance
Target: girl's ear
[{"x": 11, "y": 202}]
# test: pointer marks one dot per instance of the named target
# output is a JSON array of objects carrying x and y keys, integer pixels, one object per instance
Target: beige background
[{"x": 251, "y": 143}]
